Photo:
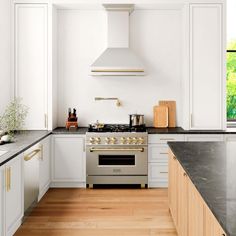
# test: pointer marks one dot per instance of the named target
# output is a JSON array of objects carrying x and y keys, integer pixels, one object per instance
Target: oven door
[{"x": 120, "y": 160}]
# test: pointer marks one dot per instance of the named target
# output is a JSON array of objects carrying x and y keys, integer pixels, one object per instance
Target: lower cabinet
[
  {"x": 191, "y": 215},
  {"x": 158, "y": 158},
  {"x": 11, "y": 196},
  {"x": 172, "y": 189},
  {"x": 68, "y": 165},
  {"x": 204, "y": 137},
  {"x": 44, "y": 166},
  {"x": 211, "y": 226},
  {"x": 195, "y": 212},
  {"x": 182, "y": 201}
]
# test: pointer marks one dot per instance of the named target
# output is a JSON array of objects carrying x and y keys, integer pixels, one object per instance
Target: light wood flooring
[{"x": 100, "y": 212}]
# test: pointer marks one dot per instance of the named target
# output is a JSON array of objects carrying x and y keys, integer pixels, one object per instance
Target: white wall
[
  {"x": 155, "y": 35},
  {"x": 5, "y": 91}
]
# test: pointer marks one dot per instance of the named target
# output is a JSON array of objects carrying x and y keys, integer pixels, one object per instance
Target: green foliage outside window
[{"x": 231, "y": 82}]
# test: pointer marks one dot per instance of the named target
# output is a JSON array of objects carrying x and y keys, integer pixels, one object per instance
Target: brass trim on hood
[{"x": 117, "y": 70}]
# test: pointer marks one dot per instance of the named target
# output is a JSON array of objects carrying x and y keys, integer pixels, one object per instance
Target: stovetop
[{"x": 117, "y": 128}]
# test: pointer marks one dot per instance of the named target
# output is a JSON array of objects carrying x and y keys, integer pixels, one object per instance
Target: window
[{"x": 231, "y": 61}]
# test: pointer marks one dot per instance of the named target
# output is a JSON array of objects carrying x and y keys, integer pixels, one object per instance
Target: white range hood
[{"x": 118, "y": 59}]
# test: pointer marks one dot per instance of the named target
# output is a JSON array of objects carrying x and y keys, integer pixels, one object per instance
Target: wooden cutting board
[
  {"x": 160, "y": 116},
  {"x": 171, "y": 111}
]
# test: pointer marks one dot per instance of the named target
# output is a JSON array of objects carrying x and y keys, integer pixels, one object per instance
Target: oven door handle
[{"x": 116, "y": 149}]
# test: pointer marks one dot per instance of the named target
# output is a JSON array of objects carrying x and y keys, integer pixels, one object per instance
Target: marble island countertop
[
  {"x": 22, "y": 141},
  {"x": 211, "y": 166}
]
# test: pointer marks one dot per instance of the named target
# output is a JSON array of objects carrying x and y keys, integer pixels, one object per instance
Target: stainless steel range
[{"x": 115, "y": 154}]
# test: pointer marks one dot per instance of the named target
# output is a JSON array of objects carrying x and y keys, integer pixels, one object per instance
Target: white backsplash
[{"x": 155, "y": 36}]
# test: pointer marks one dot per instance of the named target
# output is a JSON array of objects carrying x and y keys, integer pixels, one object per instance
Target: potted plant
[{"x": 13, "y": 119}]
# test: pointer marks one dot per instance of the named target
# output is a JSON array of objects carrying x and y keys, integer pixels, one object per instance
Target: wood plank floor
[{"x": 100, "y": 212}]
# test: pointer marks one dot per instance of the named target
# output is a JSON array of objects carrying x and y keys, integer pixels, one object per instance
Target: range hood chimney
[{"x": 118, "y": 59}]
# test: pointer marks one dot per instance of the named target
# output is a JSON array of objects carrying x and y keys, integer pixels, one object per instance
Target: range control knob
[
  {"x": 107, "y": 140},
  {"x": 141, "y": 140},
  {"x": 129, "y": 140},
  {"x": 113, "y": 140},
  {"x": 97, "y": 140},
  {"x": 122, "y": 140},
  {"x": 134, "y": 140},
  {"x": 91, "y": 140}
]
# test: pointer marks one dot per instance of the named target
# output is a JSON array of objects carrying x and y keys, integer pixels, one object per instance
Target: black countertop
[
  {"x": 152, "y": 130},
  {"x": 63, "y": 130},
  {"x": 179, "y": 130},
  {"x": 211, "y": 167},
  {"x": 22, "y": 141}
]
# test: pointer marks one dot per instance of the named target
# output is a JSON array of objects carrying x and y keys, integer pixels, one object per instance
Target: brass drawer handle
[
  {"x": 31, "y": 154},
  {"x": 8, "y": 178},
  {"x": 166, "y": 139},
  {"x": 116, "y": 149}
]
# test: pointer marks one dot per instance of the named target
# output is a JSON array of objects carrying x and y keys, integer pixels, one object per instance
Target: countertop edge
[{"x": 18, "y": 152}]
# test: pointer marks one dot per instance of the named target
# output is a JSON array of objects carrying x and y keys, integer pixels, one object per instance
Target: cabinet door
[
  {"x": 172, "y": 190},
  {"x": 204, "y": 137},
  {"x": 30, "y": 54},
  {"x": 68, "y": 158},
  {"x": 206, "y": 67},
  {"x": 195, "y": 212},
  {"x": 45, "y": 166},
  {"x": 158, "y": 175},
  {"x": 182, "y": 181},
  {"x": 211, "y": 226},
  {"x": 13, "y": 194}
]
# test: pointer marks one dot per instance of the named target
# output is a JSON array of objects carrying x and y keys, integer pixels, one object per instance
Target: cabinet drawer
[
  {"x": 204, "y": 137},
  {"x": 157, "y": 172},
  {"x": 158, "y": 153},
  {"x": 164, "y": 138}
]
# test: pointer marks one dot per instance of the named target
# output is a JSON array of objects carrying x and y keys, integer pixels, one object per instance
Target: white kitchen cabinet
[
  {"x": 45, "y": 166},
  {"x": 68, "y": 167},
  {"x": 206, "y": 67},
  {"x": 158, "y": 158},
  {"x": 13, "y": 194},
  {"x": 157, "y": 175},
  {"x": 204, "y": 137},
  {"x": 230, "y": 137},
  {"x": 31, "y": 61}
]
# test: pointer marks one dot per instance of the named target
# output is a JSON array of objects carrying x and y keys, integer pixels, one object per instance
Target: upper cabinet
[
  {"x": 206, "y": 80},
  {"x": 31, "y": 61}
]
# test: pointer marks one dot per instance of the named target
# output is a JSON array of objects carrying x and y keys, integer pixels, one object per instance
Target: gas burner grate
[{"x": 117, "y": 128}]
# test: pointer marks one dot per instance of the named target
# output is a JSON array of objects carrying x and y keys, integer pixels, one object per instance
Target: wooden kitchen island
[{"x": 202, "y": 188}]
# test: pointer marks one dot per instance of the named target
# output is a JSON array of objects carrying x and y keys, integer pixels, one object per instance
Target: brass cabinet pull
[
  {"x": 6, "y": 179},
  {"x": 41, "y": 152},
  {"x": 174, "y": 157},
  {"x": 9, "y": 182},
  {"x": 166, "y": 139},
  {"x": 116, "y": 149},
  {"x": 31, "y": 154},
  {"x": 185, "y": 174}
]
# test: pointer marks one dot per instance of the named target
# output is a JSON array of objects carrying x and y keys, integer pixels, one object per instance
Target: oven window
[{"x": 119, "y": 160}]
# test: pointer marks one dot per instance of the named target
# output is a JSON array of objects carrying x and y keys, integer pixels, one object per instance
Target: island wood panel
[
  {"x": 193, "y": 216},
  {"x": 211, "y": 226},
  {"x": 182, "y": 181},
  {"x": 173, "y": 188},
  {"x": 100, "y": 212}
]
